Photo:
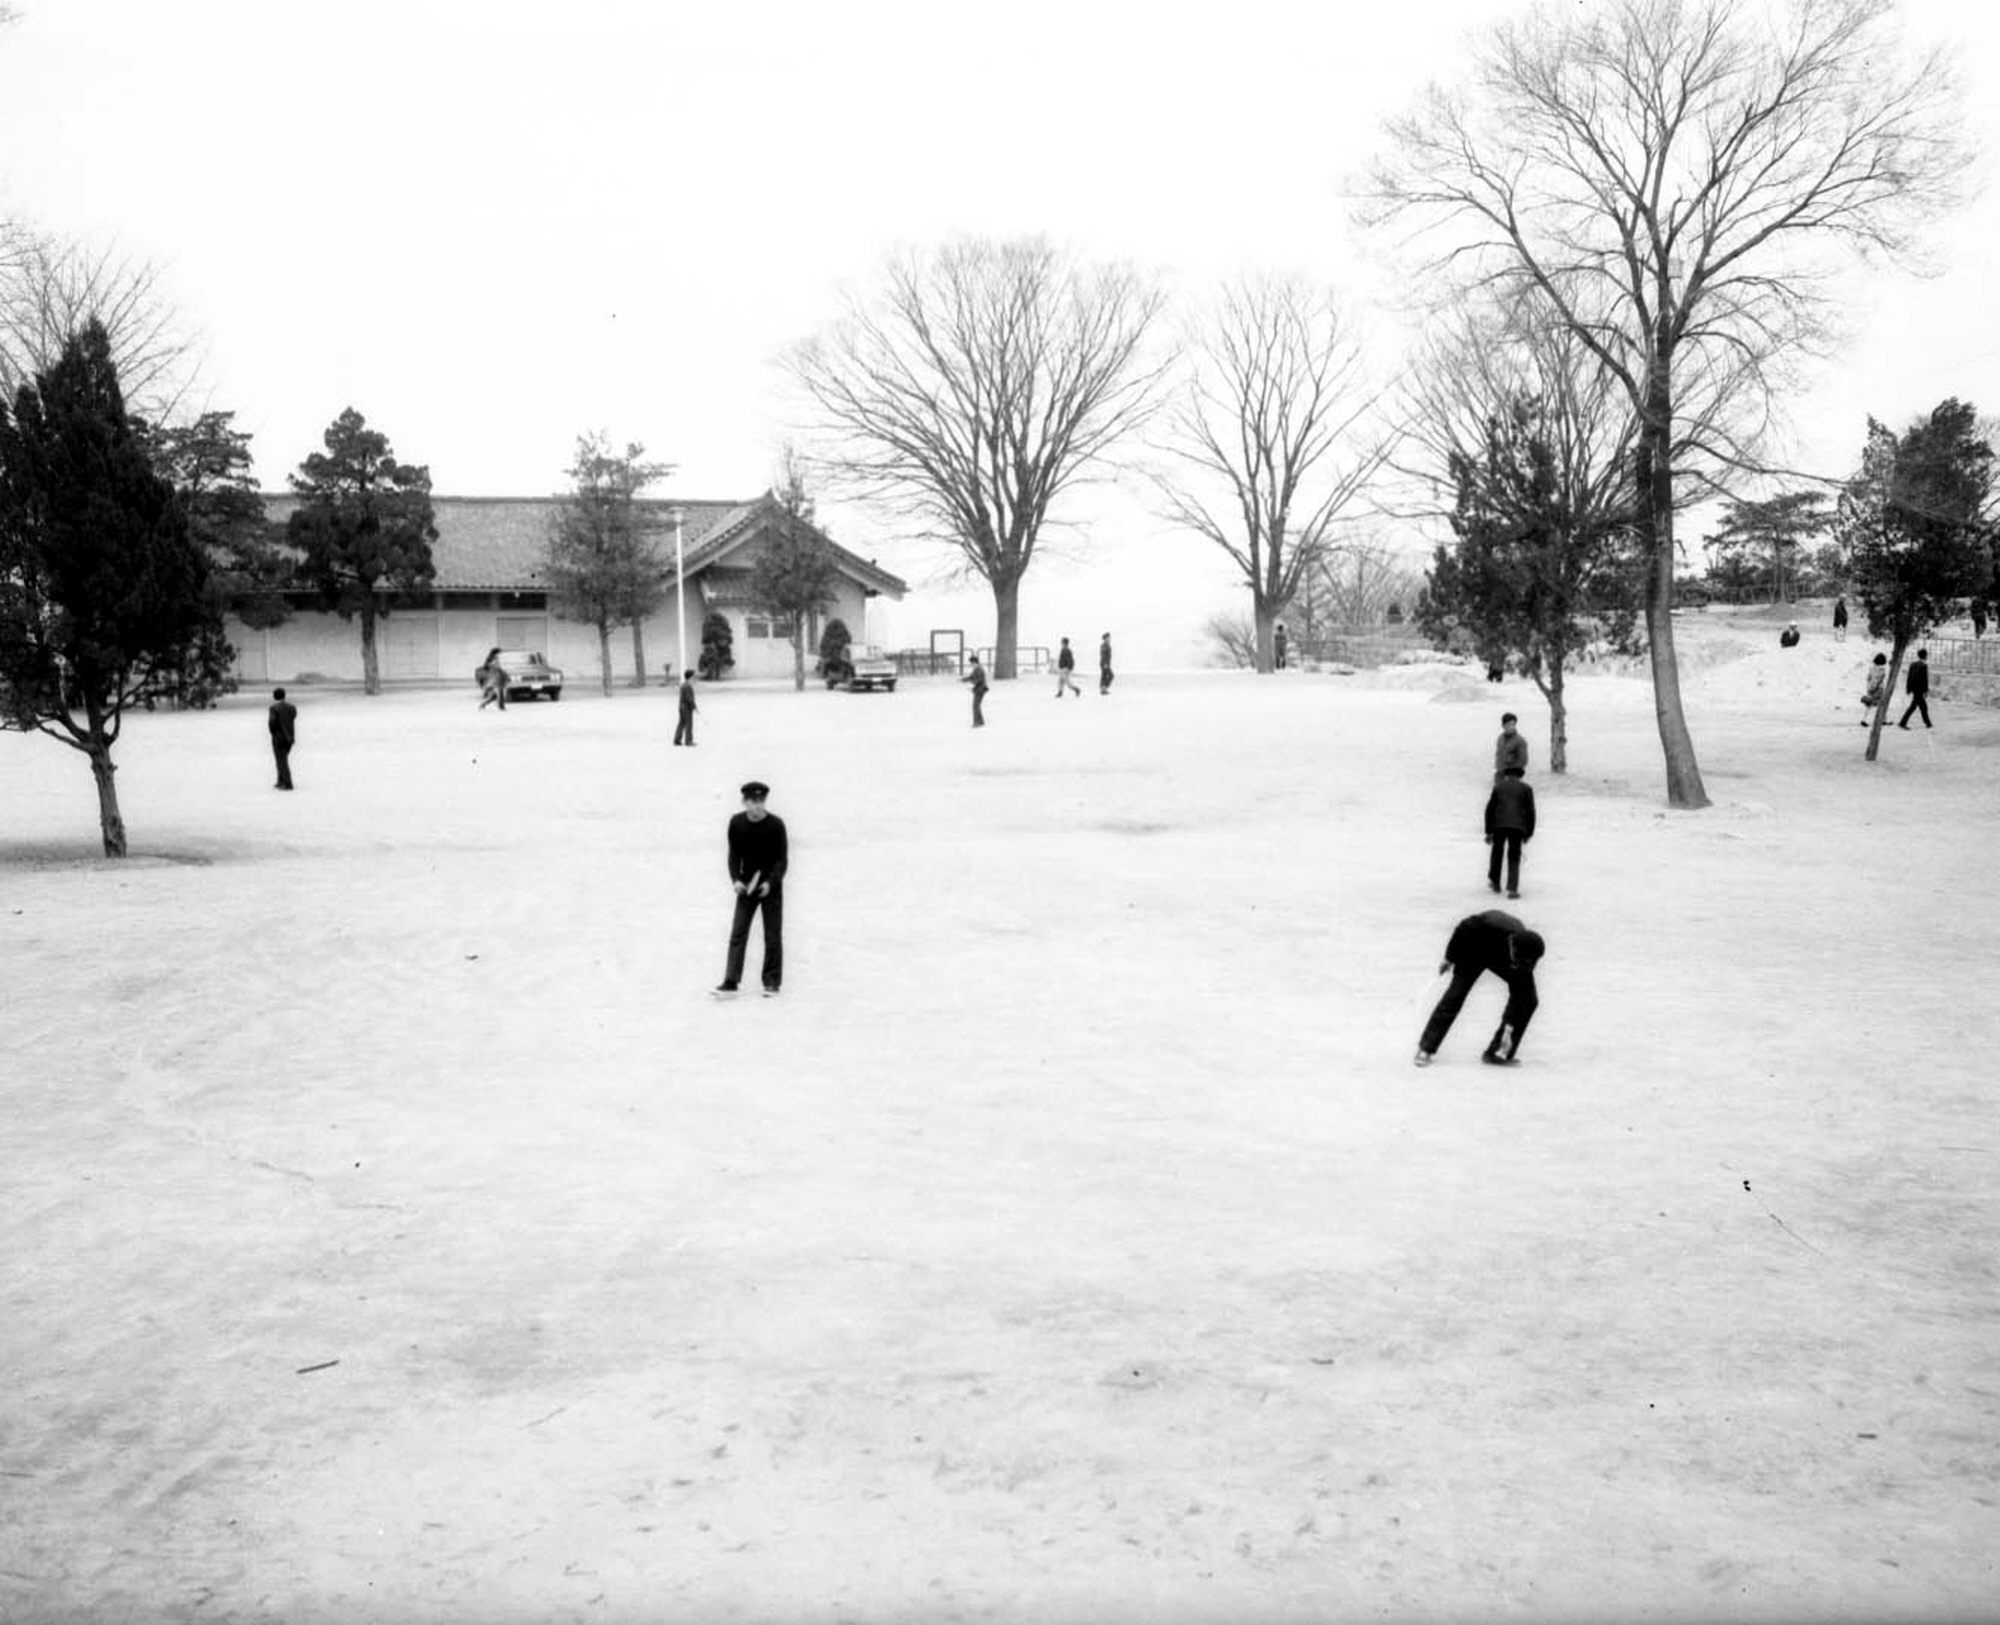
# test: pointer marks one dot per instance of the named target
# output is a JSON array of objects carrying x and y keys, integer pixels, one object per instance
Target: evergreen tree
[
  {"x": 1543, "y": 568},
  {"x": 834, "y": 643},
  {"x": 102, "y": 590},
  {"x": 208, "y": 464},
  {"x": 1914, "y": 522},
  {"x": 717, "y": 655},
  {"x": 1774, "y": 529},
  {"x": 364, "y": 527}
]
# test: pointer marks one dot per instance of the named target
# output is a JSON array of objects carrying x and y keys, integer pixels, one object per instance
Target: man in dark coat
[
  {"x": 1510, "y": 825},
  {"x": 1917, "y": 684},
  {"x": 977, "y": 678},
  {"x": 284, "y": 723},
  {"x": 1496, "y": 942},
  {"x": 684, "y": 728},
  {"x": 758, "y": 857},
  {"x": 1104, "y": 664}
]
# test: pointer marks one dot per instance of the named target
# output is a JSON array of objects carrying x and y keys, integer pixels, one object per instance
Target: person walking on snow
[
  {"x": 1917, "y": 684},
  {"x": 1278, "y": 647},
  {"x": 1510, "y": 825},
  {"x": 684, "y": 728},
  {"x": 1496, "y": 942},
  {"x": 1066, "y": 671},
  {"x": 1840, "y": 620},
  {"x": 758, "y": 858},
  {"x": 1104, "y": 665},
  {"x": 284, "y": 725},
  {"x": 977, "y": 678}
]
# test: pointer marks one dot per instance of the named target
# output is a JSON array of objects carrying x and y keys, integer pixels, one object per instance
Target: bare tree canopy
[
  {"x": 978, "y": 385},
  {"x": 1267, "y": 428},
  {"x": 1678, "y": 179},
  {"x": 51, "y": 289}
]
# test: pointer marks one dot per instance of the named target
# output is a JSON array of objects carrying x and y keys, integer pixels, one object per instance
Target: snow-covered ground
[{"x": 396, "y": 1231}]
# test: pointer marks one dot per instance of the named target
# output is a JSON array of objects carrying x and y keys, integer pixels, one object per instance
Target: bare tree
[
  {"x": 979, "y": 385},
  {"x": 1364, "y": 583},
  {"x": 1232, "y": 640},
  {"x": 1275, "y": 394},
  {"x": 51, "y": 288},
  {"x": 1678, "y": 180}
]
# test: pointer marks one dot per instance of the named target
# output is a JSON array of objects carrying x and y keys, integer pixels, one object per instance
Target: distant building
[{"x": 490, "y": 556}]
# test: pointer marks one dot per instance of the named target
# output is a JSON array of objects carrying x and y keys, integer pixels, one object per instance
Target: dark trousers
[
  {"x": 978, "y": 700},
  {"x": 1521, "y": 1002},
  {"x": 1920, "y": 706},
  {"x": 684, "y": 729},
  {"x": 773, "y": 906},
  {"x": 1506, "y": 841},
  {"x": 282, "y": 750}
]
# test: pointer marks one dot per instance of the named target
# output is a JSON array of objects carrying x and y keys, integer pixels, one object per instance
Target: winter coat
[
  {"x": 1511, "y": 806},
  {"x": 1917, "y": 680}
]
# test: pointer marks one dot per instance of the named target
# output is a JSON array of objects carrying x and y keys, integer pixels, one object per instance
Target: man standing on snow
[
  {"x": 977, "y": 678},
  {"x": 684, "y": 728},
  {"x": 1510, "y": 825},
  {"x": 1104, "y": 664},
  {"x": 284, "y": 724},
  {"x": 1510, "y": 749},
  {"x": 1496, "y": 942},
  {"x": 1917, "y": 684},
  {"x": 758, "y": 858}
]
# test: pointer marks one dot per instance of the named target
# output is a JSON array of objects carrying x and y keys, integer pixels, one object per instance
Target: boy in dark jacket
[
  {"x": 758, "y": 858},
  {"x": 1496, "y": 942},
  {"x": 977, "y": 678},
  {"x": 1917, "y": 684},
  {"x": 1510, "y": 825}
]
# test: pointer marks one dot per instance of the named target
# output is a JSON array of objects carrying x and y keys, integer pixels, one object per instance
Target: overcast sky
[{"x": 491, "y": 227}]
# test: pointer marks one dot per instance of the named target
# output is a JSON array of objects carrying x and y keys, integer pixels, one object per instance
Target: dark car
[{"x": 529, "y": 676}]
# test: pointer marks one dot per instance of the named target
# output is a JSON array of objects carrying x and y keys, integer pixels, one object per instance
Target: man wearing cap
[
  {"x": 1496, "y": 942},
  {"x": 757, "y": 862}
]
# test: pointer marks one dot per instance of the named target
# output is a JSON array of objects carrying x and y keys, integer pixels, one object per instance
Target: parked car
[
  {"x": 869, "y": 669},
  {"x": 529, "y": 676}
]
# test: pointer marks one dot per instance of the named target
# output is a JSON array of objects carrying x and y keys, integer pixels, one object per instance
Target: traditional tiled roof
[
  {"x": 749, "y": 521},
  {"x": 499, "y": 544}
]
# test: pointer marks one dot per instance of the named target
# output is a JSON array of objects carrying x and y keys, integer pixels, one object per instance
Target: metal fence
[
  {"x": 1028, "y": 657},
  {"x": 1964, "y": 654}
]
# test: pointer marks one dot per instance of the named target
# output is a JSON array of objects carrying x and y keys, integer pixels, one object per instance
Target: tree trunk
[
  {"x": 371, "y": 670},
  {"x": 1006, "y": 626},
  {"x": 604, "y": 654},
  {"x": 1265, "y": 619},
  {"x": 798, "y": 657},
  {"x": 1656, "y": 523},
  {"x": 109, "y": 820},
  {"x": 1558, "y": 719},
  {"x": 638, "y": 654},
  {"x": 1898, "y": 646}
]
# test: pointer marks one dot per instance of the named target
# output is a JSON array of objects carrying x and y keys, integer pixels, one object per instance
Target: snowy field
[{"x": 395, "y": 1231}]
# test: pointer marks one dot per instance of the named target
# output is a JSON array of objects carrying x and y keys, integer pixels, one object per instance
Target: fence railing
[
  {"x": 1028, "y": 657},
  {"x": 1964, "y": 654}
]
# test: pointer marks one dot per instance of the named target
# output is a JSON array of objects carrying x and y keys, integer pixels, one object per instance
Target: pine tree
[
  {"x": 364, "y": 526},
  {"x": 102, "y": 590}
]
